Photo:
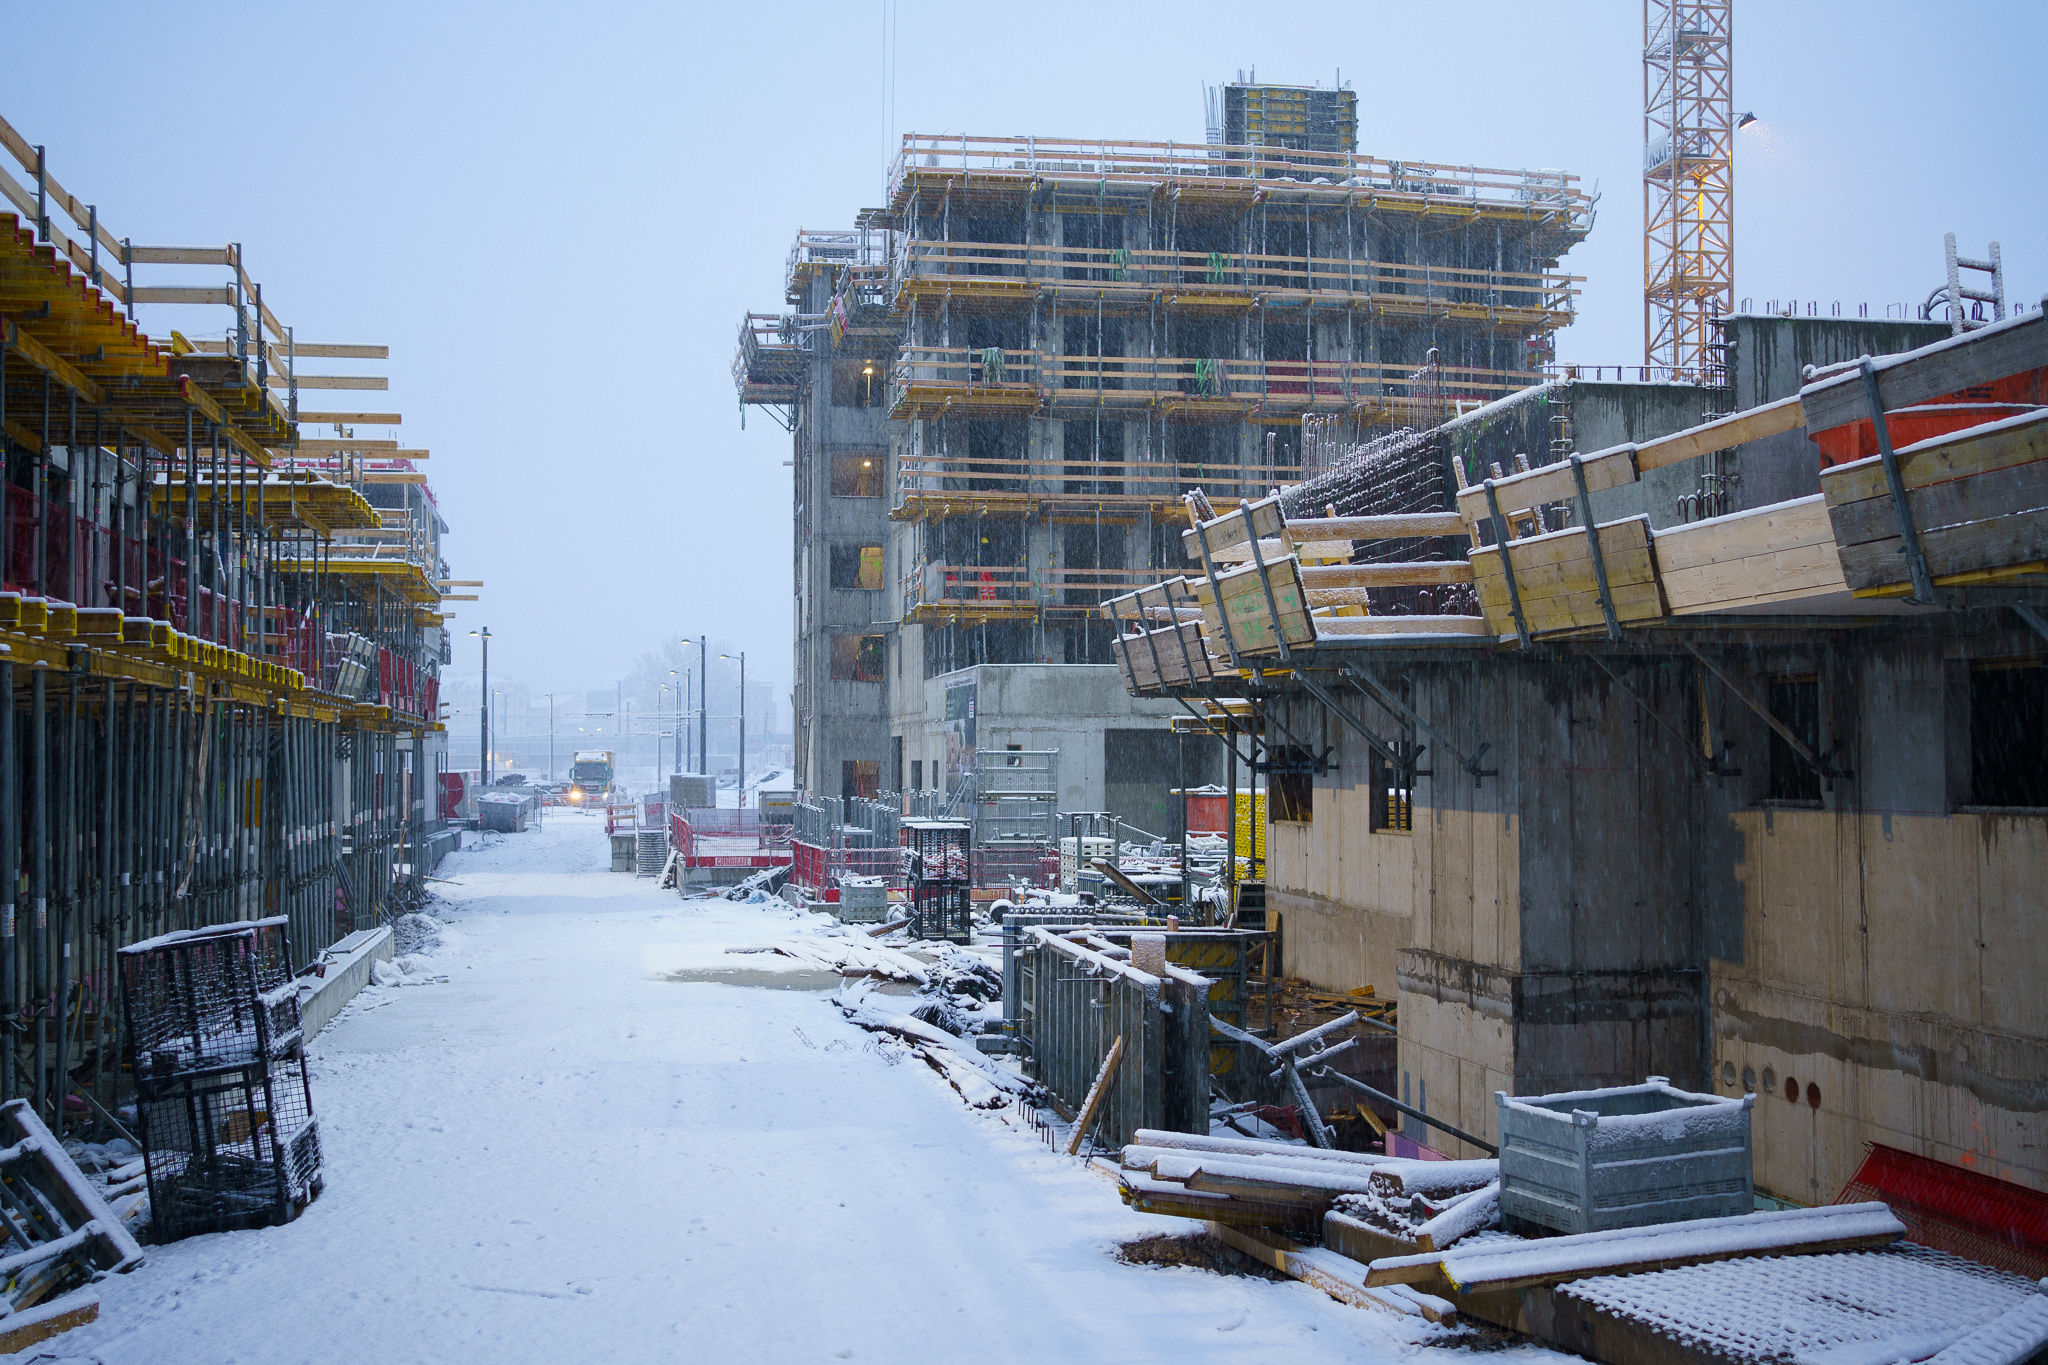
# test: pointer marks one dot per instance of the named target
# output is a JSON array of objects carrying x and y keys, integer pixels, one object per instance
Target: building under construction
[
  {"x": 1751, "y": 799},
  {"x": 1001, "y": 379},
  {"x": 220, "y": 627}
]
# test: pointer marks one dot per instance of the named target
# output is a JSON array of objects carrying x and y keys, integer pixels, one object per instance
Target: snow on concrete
[{"x": 562, "y": 1154}]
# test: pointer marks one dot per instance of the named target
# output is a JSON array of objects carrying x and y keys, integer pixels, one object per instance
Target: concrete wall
[
  {"x": 1890, "y": 952},
  {"x": 835, "y": 720},
  {"x": 1068, "y": 707}
]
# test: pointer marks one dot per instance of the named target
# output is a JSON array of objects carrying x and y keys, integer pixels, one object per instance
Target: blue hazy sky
[{"x": 556, "y": 215}]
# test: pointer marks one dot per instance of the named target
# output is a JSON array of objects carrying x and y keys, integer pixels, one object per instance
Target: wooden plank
[
  {"x": 1625, "y": 569},
  {"x": 1085, "y": 1123},
  {"x": 1933, "y": 371},
  {"x": 1229, "y": 529},
  {"x": 1623, "y": 464},
  {"x": 1959, "y": 454},
  {"x": 1981, "y": 497},
  {"x": 1417, "y": 525},
  {"x": 2014, "y": 544},
  {"x": 1548, "y": 483},
  {"x": 1779, "y": 526},
  {"x": 181, "y": 255},
  {"x": 1756, "y": 579},
  {"x": 379, "y": 419},
  {"x": 317, "y": 350},
  {"x": 332, "y": 381},
  {"x": 1554, "y": 547},
  {"x": 1335, "y": 626},
  {"x": 1751, "y": 425},
  {"x": 159, "y": 293},
  {"x": 332, "y": 445},
  {"x": 1279, "y": 548},
  {"x": 58, "y": 368},
  {"x": 1428, "y": 573}
]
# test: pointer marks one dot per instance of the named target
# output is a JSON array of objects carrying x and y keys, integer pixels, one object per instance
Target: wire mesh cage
[
  {"x": 940, "y": 910},
  {"x": 936, "y": 850},
  {"x": 230, "y": 1149},
  {"x": 206, "y": 998}
]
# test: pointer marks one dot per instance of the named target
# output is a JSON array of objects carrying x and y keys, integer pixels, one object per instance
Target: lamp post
[
  {"x": 659, "y": 688},
  {"x": 551, "y": 736},
  {"x": 677, "y": 757},
  {"x": 483, "y": 746},
  {"x": 682, "y": 727},
  {"x": 743, "y": 726},
  {"x": 703, "y": 711}
]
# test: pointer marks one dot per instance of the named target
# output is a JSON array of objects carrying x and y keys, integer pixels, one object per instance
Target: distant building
[{"x": 1000, "y": 382}]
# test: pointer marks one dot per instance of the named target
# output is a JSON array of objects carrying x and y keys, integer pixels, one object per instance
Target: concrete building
[
  {"x": 1782, "y": 840},
  {"x": 1000, "y": 382}
]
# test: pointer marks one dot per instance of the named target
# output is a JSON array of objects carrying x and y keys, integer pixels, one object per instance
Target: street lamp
[
  {"x": 659, "y": 688},
  {"x": 703, "y": 711},
  {"x": 551, "y": 736},
  {"x": 483, "y": 747},
  {"x": 677, "y": 757},
  {"x": 743, "y": 725}
]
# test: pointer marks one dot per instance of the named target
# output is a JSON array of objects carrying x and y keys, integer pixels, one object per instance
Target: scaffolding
[{"x": 179, "y": 591}]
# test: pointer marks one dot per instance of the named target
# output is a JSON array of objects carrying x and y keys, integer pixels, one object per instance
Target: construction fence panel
[{"x": 1075, "y": 1002}]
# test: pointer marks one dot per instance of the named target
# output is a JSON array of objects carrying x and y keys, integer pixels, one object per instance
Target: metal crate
[
  {"x": 650, "y": 852},
  {"x": 862, "y": 900},
  {"x": 200, "y": 999},
  {"x": 1624, "y": 1157},
  {"x": 229, "y": 1149}
]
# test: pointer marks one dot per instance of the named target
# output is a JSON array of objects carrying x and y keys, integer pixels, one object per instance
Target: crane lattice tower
[{"x": 1688, "y": 181}]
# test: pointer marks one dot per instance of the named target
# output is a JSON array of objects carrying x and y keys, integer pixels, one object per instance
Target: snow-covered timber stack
[{"x": 1250, "y": 1183}]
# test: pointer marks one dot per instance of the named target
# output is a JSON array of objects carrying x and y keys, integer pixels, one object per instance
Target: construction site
[{"x": 1380, "y": 837}]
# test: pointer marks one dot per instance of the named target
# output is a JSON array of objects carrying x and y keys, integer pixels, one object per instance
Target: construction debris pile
[
  {"x": 1834, "y": 1282},
  {"x": 60, "y": 1235}
]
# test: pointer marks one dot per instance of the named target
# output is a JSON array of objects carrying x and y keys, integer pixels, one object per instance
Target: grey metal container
[
  {"x": 1623, "y": 1157},
  {"x": 623, "y": 850},
  {"x": 863, "y": 900}
]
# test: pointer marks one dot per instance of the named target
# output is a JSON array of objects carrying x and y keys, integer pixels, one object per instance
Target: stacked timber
[{"x": 1243, "y": 1182}]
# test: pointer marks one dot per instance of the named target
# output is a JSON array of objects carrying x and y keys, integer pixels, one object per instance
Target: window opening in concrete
[
  {"x": 857, "y": 567},
  {"x": 1796, "y": 702},
  {"x": 1392, "y": 808},
  {"x": 861, "y": 382},
  {"x": 917, "y": 774},
  {"x": 857, "y": 658},
  {"x": 860, "y": 777},
  {"x": 2009, "y": 733},
  {"x": 858, "y": 475},
  {"x": 1290, "y": 784}
]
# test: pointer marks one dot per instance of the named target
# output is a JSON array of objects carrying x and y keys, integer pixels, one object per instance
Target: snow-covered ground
[{"x": 561, "y": 1155}]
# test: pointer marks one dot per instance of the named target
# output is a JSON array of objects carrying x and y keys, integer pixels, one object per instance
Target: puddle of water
[{"x": 779, "y": 981}]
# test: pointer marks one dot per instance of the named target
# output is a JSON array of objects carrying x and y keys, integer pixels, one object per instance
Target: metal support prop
[
  {"x": 1593, "y": 545},
  {"x": 1797, "y": 745},
  {"x": 1322, "y": 694},
  {"x": 2033, "y": 617},
  {"x": 1916, "y": 562},
  {"x": 1507, "y": 565},
  {"x": 1331, "y": 1074},
  {"x": 1387, "y": 697},
  {"x": 1209, "y": 567},
  {"x": 1251, "y": 532}
]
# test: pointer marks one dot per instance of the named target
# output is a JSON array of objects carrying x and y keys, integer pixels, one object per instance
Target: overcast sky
[{"x": 556, "y": 215}]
